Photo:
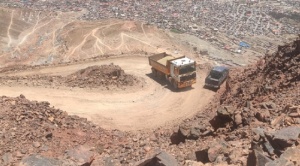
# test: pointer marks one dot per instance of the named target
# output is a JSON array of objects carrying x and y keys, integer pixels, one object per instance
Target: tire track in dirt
[
  {"x": 9, "y": 28},
  {"x": 152, "y": 106}
]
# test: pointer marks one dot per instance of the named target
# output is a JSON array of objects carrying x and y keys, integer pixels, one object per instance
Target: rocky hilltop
[{"x": 257, "y": 116}]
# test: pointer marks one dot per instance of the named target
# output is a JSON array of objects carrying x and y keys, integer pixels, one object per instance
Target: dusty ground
[{"x": 153, "y": 105}]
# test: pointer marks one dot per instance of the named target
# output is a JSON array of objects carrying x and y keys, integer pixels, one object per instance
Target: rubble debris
[
  {"x": 289, "y": 157},
  {"x": 258, "y": 124},
  {"x": 260, "y": 158},
  {"x": 160, "y": 158},
  {"x": 39, "y": 160},
  {"x": 217, "y": 149},
  {"x": 106, "y": 77},
  {"x": 193, "y": 131},
  {"x": 80, "y": 154},
  {"x": 285, "y": 137}
]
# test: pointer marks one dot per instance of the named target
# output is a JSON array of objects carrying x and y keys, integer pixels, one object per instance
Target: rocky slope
[
  {"x": 254, "y": 121},
  {"x": 258, "y": 116}
]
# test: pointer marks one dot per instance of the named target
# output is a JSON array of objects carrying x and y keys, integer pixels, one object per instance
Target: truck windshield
[
  {"x": 186, "y": 69},
  {"x": 215, "y": 74}
]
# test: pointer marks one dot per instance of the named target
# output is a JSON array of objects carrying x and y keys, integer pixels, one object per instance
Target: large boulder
[
  {"x": 7, "y": 158},
  {"x": 285, "y": 137},
  {"x": 225, "y": 112},
  {"x": 290, "y": 157},
  {"x": 39, "y": 160},
  {"x": 228, "y": 115},
  {"x": 160, "y": 158},
  {"x": 184, "y": 130},
  {"x": 80, "y": 154},
  {"x": 260, "y": 158},
  {"x": 193, "y": 163},
  {"x": 194, "y": 130},
  {"x": 217, "y": 149}
]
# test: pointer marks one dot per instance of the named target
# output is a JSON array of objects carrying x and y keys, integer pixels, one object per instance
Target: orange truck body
[{"x": 161, "y": 63}]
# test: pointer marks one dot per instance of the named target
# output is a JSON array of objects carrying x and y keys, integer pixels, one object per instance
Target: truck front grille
[{"x": 188, "y": 77}]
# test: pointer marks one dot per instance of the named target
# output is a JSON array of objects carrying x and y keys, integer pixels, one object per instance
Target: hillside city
[{"x": 236, "y": 19}]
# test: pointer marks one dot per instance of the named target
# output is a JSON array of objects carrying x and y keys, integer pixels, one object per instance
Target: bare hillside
[
  {"x": 33, "y": 37},
  {"x": 41, "y": 37}
]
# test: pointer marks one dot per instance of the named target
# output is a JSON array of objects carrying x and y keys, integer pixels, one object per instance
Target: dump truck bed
[
  {"x": 164, "y": 60},
  {"x": 160, "y": 62}
]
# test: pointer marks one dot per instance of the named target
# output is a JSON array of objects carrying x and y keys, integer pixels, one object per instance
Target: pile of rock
[
  {"x": 34, "y": 132},
  {"x": 275, "y": 78},
  {"x": 104, "y": 75},
  {"x": 274, "y": 147},
  {"x": 256, "y": 124},
  {"x": 29, "y": 127}
]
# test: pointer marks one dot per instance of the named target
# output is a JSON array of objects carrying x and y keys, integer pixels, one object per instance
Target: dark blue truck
[{"x": 216, "y": 77}]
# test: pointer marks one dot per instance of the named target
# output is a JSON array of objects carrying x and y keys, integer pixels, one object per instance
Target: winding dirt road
[{"x": 152, "y": 106}]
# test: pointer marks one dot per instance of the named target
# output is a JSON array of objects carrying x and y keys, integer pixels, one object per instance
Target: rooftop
[
  {"x": 182, "y": 61},
  {"x": 219, "y": 68}
]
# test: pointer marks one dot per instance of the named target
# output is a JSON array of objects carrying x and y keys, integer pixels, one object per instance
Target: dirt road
[{"x": 151, "y": 106}]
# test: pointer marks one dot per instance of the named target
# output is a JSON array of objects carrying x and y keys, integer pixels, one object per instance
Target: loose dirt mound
[
  {"x": 97, "y": 76},
  {"x": 104, "y": 77}
]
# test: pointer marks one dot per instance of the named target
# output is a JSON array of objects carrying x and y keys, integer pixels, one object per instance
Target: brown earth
[
  {"x": 275, "y": 78},
  {"x": 105, "y": 77},
  {"x": 257, "y": 116},
  {"x": 38, "y": 37},
  {"x": 148, "y": 104},
  {"x": 248, "y": 132}
]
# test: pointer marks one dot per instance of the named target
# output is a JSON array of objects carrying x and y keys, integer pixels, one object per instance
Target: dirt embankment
[
  {"x": 257, "y": 118},
  {"x": 104, "y": 77},
  {"x": 276, "y": 77},
  {"x": 35, "y": 132},
  {"x": 97, "y": 76}
]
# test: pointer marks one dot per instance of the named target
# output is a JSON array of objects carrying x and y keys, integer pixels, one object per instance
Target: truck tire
[
  {"x": 154, "y": 72},
  {"x": 174, "y": 85},
  {"x": 160, "y": 75}
]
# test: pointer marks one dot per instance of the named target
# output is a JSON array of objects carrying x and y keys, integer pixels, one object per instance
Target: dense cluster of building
[{"x": 232, "y": 17}]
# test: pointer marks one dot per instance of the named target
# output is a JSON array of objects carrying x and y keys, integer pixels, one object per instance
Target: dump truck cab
[{"x": 183, "y": 70}]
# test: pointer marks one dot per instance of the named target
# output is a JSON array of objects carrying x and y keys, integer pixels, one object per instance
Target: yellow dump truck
[{"x": 180, "y": 72}]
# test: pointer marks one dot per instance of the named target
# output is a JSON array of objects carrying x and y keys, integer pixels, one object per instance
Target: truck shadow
[
  {"x": 164, "y": 83},
  {"x": 210, "y": 88}
]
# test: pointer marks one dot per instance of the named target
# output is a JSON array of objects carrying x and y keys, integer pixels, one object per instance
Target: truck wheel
[
  {"x": 160, "y": 75},
  {"x": 174, "y": 85},
  {"x": 154, "y": 72}
]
